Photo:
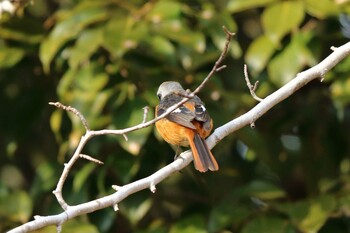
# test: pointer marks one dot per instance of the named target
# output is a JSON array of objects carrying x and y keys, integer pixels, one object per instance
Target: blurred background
[{"x": 106, "y": 58}]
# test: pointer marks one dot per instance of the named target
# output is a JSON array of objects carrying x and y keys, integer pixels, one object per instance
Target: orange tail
[{"x": 202, "y": 156}]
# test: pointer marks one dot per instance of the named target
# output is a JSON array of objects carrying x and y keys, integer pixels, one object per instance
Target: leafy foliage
[{"x": 106, "y": 58}]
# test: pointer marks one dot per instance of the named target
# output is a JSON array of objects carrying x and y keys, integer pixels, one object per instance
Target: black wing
[{"x": 181, "y": 115}]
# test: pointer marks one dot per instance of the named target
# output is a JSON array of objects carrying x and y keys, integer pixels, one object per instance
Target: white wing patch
[
  {"x": 178, "y": 110},
  {"x": 203, "y": 108}
]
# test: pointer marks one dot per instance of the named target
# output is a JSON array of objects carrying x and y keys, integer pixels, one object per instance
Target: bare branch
[
  {"x": 281, "y": 94},
  {"x": 74, "y": 111},
  {"x": 151, "y": 181},
  {"x": 152, "y": 187},
  {"x": 252, "y": 88},
  {"x": 67, "y": 167},
  {"x": 125, "y": 137},
  {"x": 87, "y": 157},
  {"x": 190, "y": 95},
  {"x": 145, "y": 113},
  {"x": 218, "y": 62}
]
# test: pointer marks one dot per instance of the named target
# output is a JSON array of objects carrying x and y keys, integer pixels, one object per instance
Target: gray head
[{"x": 169, "y": 87}]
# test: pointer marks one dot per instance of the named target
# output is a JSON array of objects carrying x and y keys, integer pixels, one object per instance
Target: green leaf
[
  {"x": 177, "y": 30},
  {"x": 162, "y": 47},
  {"x": 262, "y": 190},
  {"x": 212, "y": 23},
  {"x": 280, "y": 18},
  {"x": 267, "y": 224},
  {"x": 132, "y": 114},
  {"x": 227, "y": 213},
  {"x": 322, "y": 8},
  {"x": 163, "y": 10},
  {"x": 82, "y": 175},
  {"x": 87, "y": 43},
  {"x": 284, "y": 66},
  {"x": 136, "y": 207},
  {"x": 44, "y": 177},
  {"x": 55, "y": 124},
  {"x": 234, "y": 6},
  {"x": 259, "y": 53},
  {"x": 309, "y": 215},
  {"x": 344, "y": 203},
  {"x": 9, "y": 57},
  {"x": 85, "y": 82},
  {"x": 340, "y": 90},
  {"x": 194, "y": 223},
  {"x": 125, "y": 165},
  {"x": 27, "y": 30},
  {"x": 118, "y": 43},
  {"x": 68, "y": 29},
  {"x": 16, "y": 207}
]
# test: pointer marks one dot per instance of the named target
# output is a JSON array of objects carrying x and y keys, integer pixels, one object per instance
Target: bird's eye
[{"x": 159, "y": 96}]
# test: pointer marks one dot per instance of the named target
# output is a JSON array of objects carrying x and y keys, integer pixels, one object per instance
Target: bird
[{"x": 188, "y": 125}]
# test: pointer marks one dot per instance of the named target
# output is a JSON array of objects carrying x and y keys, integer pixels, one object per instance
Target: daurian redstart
[{"x": 188, "y": 125}]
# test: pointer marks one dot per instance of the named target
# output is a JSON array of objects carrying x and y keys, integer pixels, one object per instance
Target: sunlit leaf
[
  {"x": 263, "y": 190},
  {"x": 177, "y": 30},
  {"x": 27, "y": 30},
  {"x": 322, "y": 8},
  {"x": 234, "y": 6},
  {"x": 212, "y": 24},
  {"x": 162, "y": 46},
  {"x": 259, "y": 53},
  {"x": 284, "y": 66},
  {"x": 86, "y": 45},
  {"x": 309, "y": 216},
  {"x": 280, "y": 18},
  {"x": 55, "y": 123},
  {"x": 86, "y": 81},
  {"x": 10, "y": 56},
  {"x": 136, "y": 207},
  {"x": 118, "y": 43},
  {"x": 164, "y": 10},
  {"x": 67, "y": 30},
  {"x": 344, "y": 204},
  {"x": 340, "y": 90},
  {"x": 16, "y": 207}
]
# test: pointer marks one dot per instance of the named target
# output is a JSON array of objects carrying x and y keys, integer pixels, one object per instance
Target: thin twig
[
  {"x": 252, "y": 88},
  {"x": 87, "y": 157},
  {"x": 91, "y": 133},
  {"x": 74, "y": 111},
  {"x": 125, "y": 137},
  {"x": 145, "y": 113},
  {"x": 123, "y": 192},
  {"x": 218, "y": 62}
]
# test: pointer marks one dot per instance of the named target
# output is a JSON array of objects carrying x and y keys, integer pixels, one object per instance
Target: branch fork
[{"x": 151, "y": 181}]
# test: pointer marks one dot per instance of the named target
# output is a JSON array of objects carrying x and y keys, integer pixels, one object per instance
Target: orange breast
[{"x": 173, "y": 133}]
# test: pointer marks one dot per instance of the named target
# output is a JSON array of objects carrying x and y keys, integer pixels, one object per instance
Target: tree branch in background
[
  {"x": 124, "y": 191},
  {"x": 303, "y": 78},
  {"x": 90, "y": 133},
  {"x": 185, "y": 158}
]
